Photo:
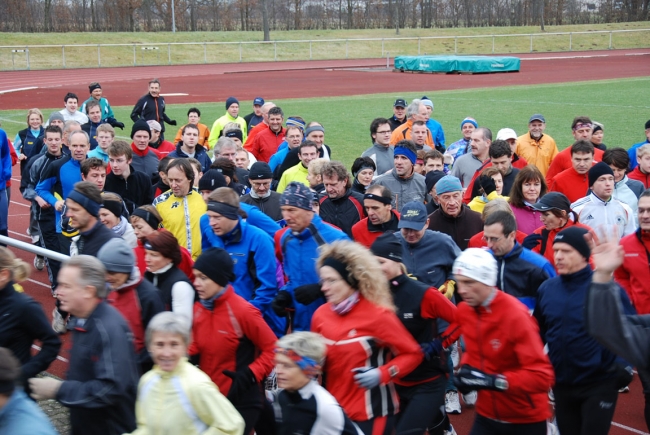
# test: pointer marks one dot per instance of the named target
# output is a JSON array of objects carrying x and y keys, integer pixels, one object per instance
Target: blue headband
[
  {"x": 88, "y": 204},
  {"x": 403, "y": 151}
]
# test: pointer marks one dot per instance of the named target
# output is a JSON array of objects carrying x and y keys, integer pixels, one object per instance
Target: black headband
[
  {"x": 225, "y": 210},
  {"x": 342, "y": 270},
  {"x": 114, "y": 207},
  {"x": 149, "y": 218},
  {"x": 379, "y": 198}
]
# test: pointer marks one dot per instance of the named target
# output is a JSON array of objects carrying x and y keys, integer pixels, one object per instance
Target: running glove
[
  {"x": 448, "y": 288},
  {"x": 119, "y": 125},
  {"x": 531, "y": 241},
  {"x": 242, "y": 380},
  {"x": 487, "y": 183},
  {"x": 367, "y": 377},
  {"x": 281, "y": 303},
  {"x": 431, "y": 348},
  {"x": 172, "y": 122},
  {"x": 308, "y": 293},
  {"x": 472, "y": 379}
]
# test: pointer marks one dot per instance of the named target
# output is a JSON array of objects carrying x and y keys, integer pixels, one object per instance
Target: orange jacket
[
  {"x": 404, "y": 132},
  {"x": 504, "y": 339}
]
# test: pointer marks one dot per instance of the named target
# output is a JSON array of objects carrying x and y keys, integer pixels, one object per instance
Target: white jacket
[{"x": 595, "y": 212}]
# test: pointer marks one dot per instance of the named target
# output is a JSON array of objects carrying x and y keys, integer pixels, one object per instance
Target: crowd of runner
[{"x": 239, "y": 279}]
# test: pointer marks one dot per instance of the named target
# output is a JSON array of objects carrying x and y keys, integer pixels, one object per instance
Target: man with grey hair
[
  {"x": 68, "y": 128},
  {"x": 102, "y": 378},
  {"x": 342, "y": 206},
  {"x": 226, "y": 147},
  {"x": 416, "y": 111},
  {"x": 479, "y": 146}
]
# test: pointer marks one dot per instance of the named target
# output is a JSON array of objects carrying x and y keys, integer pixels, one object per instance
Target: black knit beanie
[
  {"x": 574, "y": 237},
  {"x": 598, "y": 170},
  {"x": 216, "y": 264}
]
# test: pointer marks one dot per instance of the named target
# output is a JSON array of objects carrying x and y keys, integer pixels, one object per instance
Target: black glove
[
  {"x": 487, "y": 183},
  {"x": 119, "y": 125},
  {"x": 242, "y": 380},
  {"x": 431, "y": 349},
  {"x": 281, "y": 303},
  {"x": 308, "y": 293},
  {"x": 531, "y": 241},
  {"x": 172, "y": 122},
  {"x": 472, "y": 379}
]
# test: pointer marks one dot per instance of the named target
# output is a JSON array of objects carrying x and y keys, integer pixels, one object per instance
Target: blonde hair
[
  {"x": 363, "y": 267},
  {"x": 498, "y": 204},
  {"x": 19, "y": 270},
  {"x": 316, "y": 166},
  {"x": 230, "y": 126},
  {"x": 31, "y": 112},
  {"x": 106, "y": 128},
  {"x": 225, "y": 195},
  {"x": 642, "y": 151},
  {"x": 305, "y": 343}
]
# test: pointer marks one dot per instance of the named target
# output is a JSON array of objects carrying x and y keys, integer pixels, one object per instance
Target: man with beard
[
  {"x": 535, "y": 147},
  {"x": 467, "y": 165},
  {"x": 260, "y": 178}
]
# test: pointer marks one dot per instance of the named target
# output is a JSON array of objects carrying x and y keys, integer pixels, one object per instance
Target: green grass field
[
  {"x": 255, "y": 51},
  {"x": 621, "y": 105}
]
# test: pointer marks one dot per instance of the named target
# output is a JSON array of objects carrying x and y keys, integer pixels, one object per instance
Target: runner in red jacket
[
  {"x": 367, "y": 344},
  {"x": 504, "y": 358}
]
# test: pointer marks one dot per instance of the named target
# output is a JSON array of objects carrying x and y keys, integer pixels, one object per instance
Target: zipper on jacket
[{"x": 480, "y": 351}]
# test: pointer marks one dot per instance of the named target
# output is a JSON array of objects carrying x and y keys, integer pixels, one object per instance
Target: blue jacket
[
  {"x": 251, "y": 250},
  {"x": 5, "y": 160},
  {"x": 277, "y": 158},
  {"x": 430, "y": 260},
  {"x": 200, "y": 154},
  {"x": 102, "y": 379},
  {"x": 22, "y": 416},
  {"x": 521, "y": 272},
  {"x": 437, "y": 133},
  {"x": 632, "y": 153},
  {"x": 259, "y": 219},
  {"x": 577, "y": 357},
  {"x": 59, "y": 179},
  {"x": 299, "y": 254}
]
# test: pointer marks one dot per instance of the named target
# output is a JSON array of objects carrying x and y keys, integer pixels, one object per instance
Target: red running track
[{"x": 281, "y": 80}]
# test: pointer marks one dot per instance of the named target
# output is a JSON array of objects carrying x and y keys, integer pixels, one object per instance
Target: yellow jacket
[
  {"x": 183, "y": 402},
  {"x": 478, "y": 202},
  {"x": 215, "y": 131},
  {"x": 181, "y": 217},
  {"x": 295, "y": 173},
  {"x": 539, "y": 153}
]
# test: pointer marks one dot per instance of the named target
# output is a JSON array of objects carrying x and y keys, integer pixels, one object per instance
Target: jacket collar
[
  {"x": 391, "y": 225},
  {"x": 137, "y": 151},
  {"x": 234, "y": 235},
  {"x": 582, "y": 276}
]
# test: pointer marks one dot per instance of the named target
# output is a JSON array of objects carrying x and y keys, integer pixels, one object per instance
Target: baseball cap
[
  {"x": 551, "y": 201},
  {"x": 258, "y": 101},
  {"x": 537, "y": 117},
  {"x": 506, "y": 133},
  {"x": 154, "y": 125},
  {"x": 414, "y": 216},
  {"x": 400, "y": 102}
]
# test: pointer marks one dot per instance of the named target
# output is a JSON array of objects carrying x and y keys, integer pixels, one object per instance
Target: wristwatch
[{"x": 501, "y": 383}]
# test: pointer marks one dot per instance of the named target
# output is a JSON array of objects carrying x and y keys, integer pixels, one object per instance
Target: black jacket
[
  {"x": 270, "y": 205},
  {"x": 460, "y": 228},
  {"x": 145, "y": 108},
  {"x": 36, "y": 168},
  {"x": 22, "y": 321},
  {"x": 394, "y": 122},
  {"x": 135, "y": 190},
  {"x": 343, "y": 212},
  {"x": 91, "y": 241},
  {"x": 102, "y": 378}
]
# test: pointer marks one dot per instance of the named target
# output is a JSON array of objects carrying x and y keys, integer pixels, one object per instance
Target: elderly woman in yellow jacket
[{"x": 176, "y": 397}]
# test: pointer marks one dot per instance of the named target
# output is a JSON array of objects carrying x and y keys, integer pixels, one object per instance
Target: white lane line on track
[
  {"x": 39, "y": 283},
  {"x": 631, "y": 429},
  {"x": 564, "y": 57},
  {"x": 20, "y": 203},
  {"x": 60, "y": 358},
  {"x": 28, "y": 88},
  {"x": 24, "y": 236}
]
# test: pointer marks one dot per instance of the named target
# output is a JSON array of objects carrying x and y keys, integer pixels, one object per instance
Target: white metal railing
[
  {"x": 34, "y": 249},
  {"x": 32, "y": 57}
]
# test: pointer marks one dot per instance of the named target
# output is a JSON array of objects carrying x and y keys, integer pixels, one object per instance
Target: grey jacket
[
  {"x": 431, "y": 259},
  {"x": 404, "y": 190},
  {"x": 628, "y": 336},
  {"x": 382, "y": 156},
  {"x": 465, "y": 168}
]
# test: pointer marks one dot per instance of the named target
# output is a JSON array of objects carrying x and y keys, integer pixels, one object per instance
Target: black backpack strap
[{"x": 545, "y": 233}]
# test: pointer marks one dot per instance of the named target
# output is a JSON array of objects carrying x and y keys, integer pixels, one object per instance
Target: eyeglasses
[
  {"x": 260, "y": 184},
  {"x": 384, "y": 132},
  {"x": 492, "y": 239}
]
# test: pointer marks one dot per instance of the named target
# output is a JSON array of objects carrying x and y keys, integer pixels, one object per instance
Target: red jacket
[
  {"x": 185, "y": 266},
  {"x": 477, "y": 240},
  {"x": 163, "y": 149},
  {"x": 364, "y": 235},
  {"x": 125, "y": 300},
  {"x": 504, "y": 339},
  {"x": 548, "y": 249},
  {"x": 231, "y": 337},
  {"x": 636, "y": 174},
  {"x": 265, "y": 144},
  {"x": 571, "y": 184},
  {"x": 634, "y": 273},
  {"x": 368, "y": 335},
  {"x": 254, "y": 132},
  {"x": 518, "y": 162},
  {"x": 562, "y": 162}
]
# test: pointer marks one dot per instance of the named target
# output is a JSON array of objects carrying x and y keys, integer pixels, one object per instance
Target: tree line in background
[{"x": 269, "y": 15}]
